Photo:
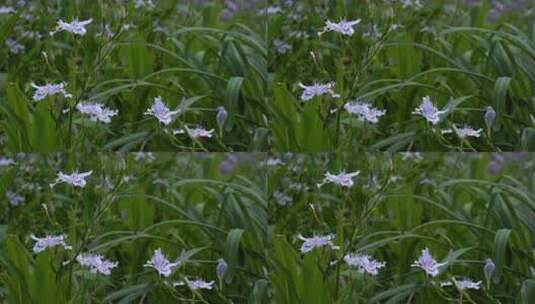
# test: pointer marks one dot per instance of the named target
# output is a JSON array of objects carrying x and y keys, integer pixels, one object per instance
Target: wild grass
[
  {"x": 465, "y": 208},
  {"x": 179, "y": 50},
  {"x": 196, "y": 208},
  {"x": 455, "y": 53}
]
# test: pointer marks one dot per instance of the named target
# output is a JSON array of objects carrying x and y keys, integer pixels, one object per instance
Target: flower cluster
[
  {"x": 467, "y": 284},
  {"x": 149, "y": 4},
  {"x": 14, "y": 46},
  {"x": 417, "y": 4},
  {"x": 14, "y": 198}
]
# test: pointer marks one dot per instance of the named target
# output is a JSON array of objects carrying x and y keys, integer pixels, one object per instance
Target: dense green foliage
[
  {"x": 198, "y": 208},
  {"x": 464, "y": 207},
  {"x": 125, "y": 98},
  {"x": 448, "y": 50},
  {"x": 182, "y": 52}
]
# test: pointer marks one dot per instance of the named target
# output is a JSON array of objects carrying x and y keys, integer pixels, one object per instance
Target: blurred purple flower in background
[
  {"x": 233, "y": 7},
  {"x": 14, "y": 198},
  {"x": 500, "y": 8},
  {"x": 228, "y": 164},
  {"x": 500, "y": 161}
]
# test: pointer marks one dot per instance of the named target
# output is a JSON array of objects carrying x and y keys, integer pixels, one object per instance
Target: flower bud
[
  {"x": 490, "y": 115},
  {"x": 221, "y": 117},
  {"x": 221, "y": 268},
  {"x": 488, "y": 269}
]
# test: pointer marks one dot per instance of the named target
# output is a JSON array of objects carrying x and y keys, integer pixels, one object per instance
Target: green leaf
[
  {"x": 232, "y": 99},
  {"x": 500, "y": 246},
  {"x": 527, "y": 291},
  {"x": 315, "y": 291},
  {"x": 500, "y": 97},
  {"x": 232, "y": 252}
]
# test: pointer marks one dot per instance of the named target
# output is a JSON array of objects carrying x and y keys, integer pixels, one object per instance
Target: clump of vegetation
[
  {"x": 402, "y": 228},
  {"x": 132, "y": 75},
  {"x": 402, "y": 75},
  {"x": 136, "y": 228}
]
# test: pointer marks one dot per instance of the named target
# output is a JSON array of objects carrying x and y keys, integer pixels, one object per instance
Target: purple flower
[
  {"x": 282, "y": 46},
  {"x": 343, "y": 179},
  {"x": 6, "y": 10},
  {"x": 467, "y": 284},
  {"x": 282, "y": 198},
  {"x": 96, "y": 263},
  {"x": 14, "y": 46},
  {"x": 76, "y": 179},
  {"x": 75, "y": 27},
  {"x": 364, "y": 263},
  {"x": 161, "y": 111},
  {"x": 273, "y": 162},
  {"x": 343, "y": 27},
  {"x": 317, "y": 90},
  {"x": 364, "y": 111},
  {"x": 161, "y": 264},
  {"x": 199, "y": 284},
  {"x": 96, "y": 112},
  {"x": 317, "y": 242},
  {"x": 41, "y": 92},
  {"x": 428, "y": 110},
  {"x": 428, "y": 263},
  {"x": 49, "y": 241}
]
